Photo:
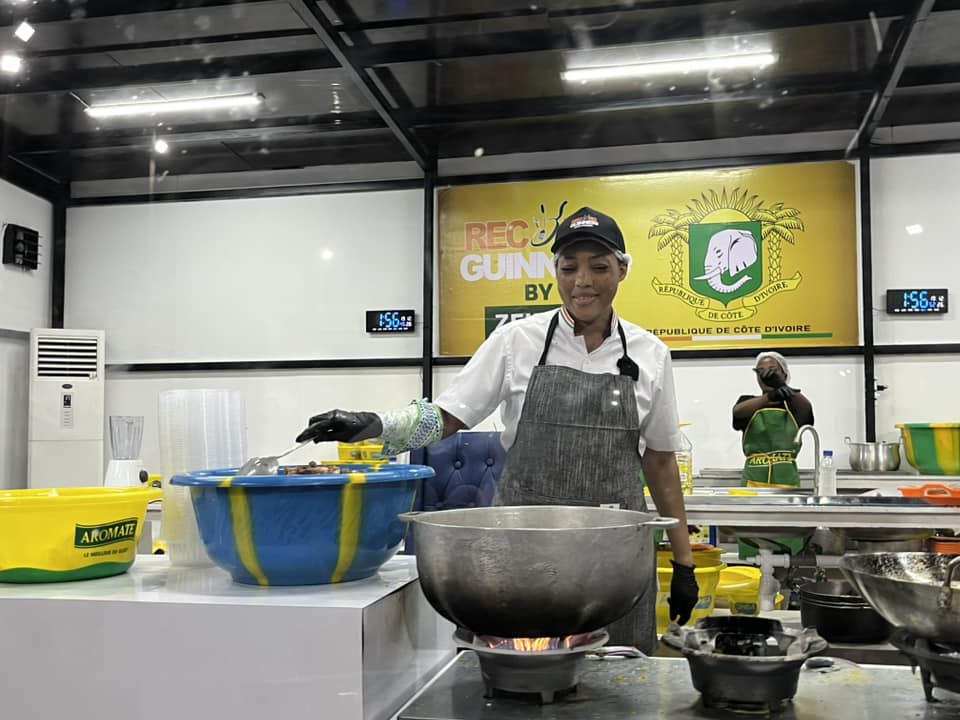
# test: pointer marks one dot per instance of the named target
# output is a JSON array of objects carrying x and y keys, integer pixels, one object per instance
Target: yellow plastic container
[
  {"x": 739, "y": 589},
  {"x": 707, "y": 575},
  {"x": 59, "y": 534},
  {"x": 360, "y": 452},
  {"x": 703, "y": 555}
]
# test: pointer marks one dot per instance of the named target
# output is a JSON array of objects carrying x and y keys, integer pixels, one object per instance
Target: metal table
[
  {"x": 843, "y": 511},
  {"x": 616, "y": 689}
]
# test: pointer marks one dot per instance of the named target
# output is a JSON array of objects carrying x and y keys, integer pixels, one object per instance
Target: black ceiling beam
[
  {"x": 658, "y": 29},
  {"x": 266, "y": 128},
  {"x": 311, "y": 14},
  {"x": 204, "y": 40},
  {"x": 926, "y": 75},
  {"x": 168, "y": 72},
  {"x": 61, "y": 11},
  {"x": 383, "y": 76},
  {"x": 890, "y": 71},
  {"x": 881, "y": 9}
]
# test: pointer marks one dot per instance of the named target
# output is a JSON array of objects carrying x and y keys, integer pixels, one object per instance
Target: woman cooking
[
  {"x": 588, "y": 405},
  {"x": 769, "y": 423}
]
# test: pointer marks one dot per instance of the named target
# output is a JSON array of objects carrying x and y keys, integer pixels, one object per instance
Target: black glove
[
  {"x": 784, "y": 392},
  {"x": 772, "y": 379},
  {"x": 683, "y": 593},
  {"x": 343, "y": 426}
]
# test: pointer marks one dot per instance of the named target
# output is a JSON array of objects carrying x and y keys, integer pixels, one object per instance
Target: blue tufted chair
[{"x": 468, "y": 465}]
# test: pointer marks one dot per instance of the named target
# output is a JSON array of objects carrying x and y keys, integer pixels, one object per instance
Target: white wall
[
  {"x": 915, "y": 191},
  {"x": 14, "y": 367},
  {"x": 25, "y": 294},
  {"x": 266, "y": 279},
  {"x": 278, "y": 403},
  {"x": 270, "y": 279},
  {"x": 922, "y": 388},
  {"x": 25, "y": 299}
]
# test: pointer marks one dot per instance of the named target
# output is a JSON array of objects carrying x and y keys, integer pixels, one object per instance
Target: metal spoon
[{"x": 268, "y": 464}]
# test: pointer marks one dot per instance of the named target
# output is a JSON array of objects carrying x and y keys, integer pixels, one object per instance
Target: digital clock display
[
  {"x": 390, "y": 321},
  {"x": 915, "y": 301}
]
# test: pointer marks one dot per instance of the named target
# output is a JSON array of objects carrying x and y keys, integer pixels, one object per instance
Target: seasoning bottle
[{"x": 685, "y": 462}]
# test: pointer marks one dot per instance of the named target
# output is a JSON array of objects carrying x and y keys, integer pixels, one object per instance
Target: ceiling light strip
[
  {"x": 163, "y": 107},
  {"x": 668, "y": 67}
]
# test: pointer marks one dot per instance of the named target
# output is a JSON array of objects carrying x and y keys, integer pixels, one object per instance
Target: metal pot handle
[
  {"x": 846, "y": 439},
  {"x": 945, "y": 596},
  {"x": 659, "y": 522},
  {"x": 410, "y": 516}
]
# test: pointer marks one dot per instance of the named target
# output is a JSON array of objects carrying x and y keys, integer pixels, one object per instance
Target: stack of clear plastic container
[{"x": 199, "y": 430}]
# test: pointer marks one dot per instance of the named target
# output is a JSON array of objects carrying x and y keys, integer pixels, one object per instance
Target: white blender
[{"x": 126, "y": 435}]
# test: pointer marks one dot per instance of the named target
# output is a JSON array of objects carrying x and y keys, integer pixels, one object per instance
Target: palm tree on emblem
[{"x": 672, "y": 228}]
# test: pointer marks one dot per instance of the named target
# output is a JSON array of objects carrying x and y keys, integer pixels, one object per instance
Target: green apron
[{"x": 771, "y": 462}]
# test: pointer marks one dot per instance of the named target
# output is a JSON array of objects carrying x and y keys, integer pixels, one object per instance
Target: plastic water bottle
[
  {"x": 828, "y": 475},
  {"x": 685, "y": 463}
]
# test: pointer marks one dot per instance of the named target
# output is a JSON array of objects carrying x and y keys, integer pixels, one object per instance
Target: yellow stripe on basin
[
  {"x": 945, "y": 441},
  {"x": 351, "y": 510},
  {"x": 243, "y": 532}
]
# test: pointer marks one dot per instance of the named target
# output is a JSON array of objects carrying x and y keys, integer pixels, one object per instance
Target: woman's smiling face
[{"x": 588, "y": 275}]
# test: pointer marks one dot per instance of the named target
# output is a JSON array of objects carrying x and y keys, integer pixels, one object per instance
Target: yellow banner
[{"x": 745, "y": 257}]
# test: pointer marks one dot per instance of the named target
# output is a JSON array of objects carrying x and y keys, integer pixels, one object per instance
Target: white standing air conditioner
[{"x": 65, "y": 436}]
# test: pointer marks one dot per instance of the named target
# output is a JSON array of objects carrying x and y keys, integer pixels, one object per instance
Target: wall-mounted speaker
[{"x": 21, "y": 246}]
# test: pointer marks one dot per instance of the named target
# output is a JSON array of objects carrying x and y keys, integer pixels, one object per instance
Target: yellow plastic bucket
[
  {"x": 739, "y": 589},
  {"x": 60, "y": 534},
  {"x": 707, "y": 573},
  {"x": 704, "y": 555}
]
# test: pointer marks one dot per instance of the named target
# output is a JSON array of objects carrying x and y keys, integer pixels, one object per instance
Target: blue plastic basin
[{"x": 303, "y": 529}]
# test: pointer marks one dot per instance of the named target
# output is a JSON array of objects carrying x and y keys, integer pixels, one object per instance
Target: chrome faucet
[{"x": 816, "y": 454}]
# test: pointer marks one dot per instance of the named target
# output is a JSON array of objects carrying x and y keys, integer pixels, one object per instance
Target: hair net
[{"x": 776, "y": 357}]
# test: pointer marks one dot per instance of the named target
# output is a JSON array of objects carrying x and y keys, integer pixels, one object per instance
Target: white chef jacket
[{"x": 499, "y": 373}]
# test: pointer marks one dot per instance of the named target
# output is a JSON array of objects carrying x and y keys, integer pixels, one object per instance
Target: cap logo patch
[{"x": 584, "y": 221}]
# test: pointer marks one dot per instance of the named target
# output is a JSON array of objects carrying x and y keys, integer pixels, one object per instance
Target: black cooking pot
[{"x": 840, "y": 614}]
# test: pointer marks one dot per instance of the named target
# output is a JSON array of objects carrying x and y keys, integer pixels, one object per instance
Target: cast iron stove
[
  {"x": 939, "y": 664},
  {"x": 545, "y": 667}
]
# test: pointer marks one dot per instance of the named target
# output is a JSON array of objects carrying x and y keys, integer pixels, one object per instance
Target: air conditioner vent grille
[{"x": 67, "y": 357}]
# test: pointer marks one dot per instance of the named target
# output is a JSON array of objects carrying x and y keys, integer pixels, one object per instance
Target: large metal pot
[
  {"x": 910, "y": 590},
  {"x": 535, "y": 571},
  {"x": 840, "y": 614},
  {"x": 874, "y": 456}
]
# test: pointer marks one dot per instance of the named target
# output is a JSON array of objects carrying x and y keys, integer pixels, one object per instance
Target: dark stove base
[
  {"x": 939, "y": 666},
  {"x": 544, "y": 697},
  {"x": 760, "y": 709},
  {"x": 661, "y": 688}
]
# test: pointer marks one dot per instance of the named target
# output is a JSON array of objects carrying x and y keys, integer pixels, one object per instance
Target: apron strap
[
  {"x": 626, "y": 364},
  {"x": 550, "y": 330}
]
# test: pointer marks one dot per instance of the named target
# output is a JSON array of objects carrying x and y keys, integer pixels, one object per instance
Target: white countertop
[{"x": 153, "y": 580}]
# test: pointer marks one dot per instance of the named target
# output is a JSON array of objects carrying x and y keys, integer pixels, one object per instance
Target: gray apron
[{"x": 576, "y": 444}]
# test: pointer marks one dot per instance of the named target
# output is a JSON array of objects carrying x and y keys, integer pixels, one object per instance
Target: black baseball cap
[{"x": 589, "y": 224}]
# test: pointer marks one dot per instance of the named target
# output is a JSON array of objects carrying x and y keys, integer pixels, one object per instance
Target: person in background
[
  {"x": 769, "y": 423},
  {"x": 588, "y": 405}
]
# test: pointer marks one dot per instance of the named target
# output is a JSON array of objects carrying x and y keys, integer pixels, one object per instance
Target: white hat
[{"x": 778, "y": 358}]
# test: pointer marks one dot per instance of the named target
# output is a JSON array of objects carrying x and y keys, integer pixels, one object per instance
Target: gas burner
[
  {"x": 549, "y": 673},
  {"x": 939, "y": 663},
  {"x": 744, "y": 664}
]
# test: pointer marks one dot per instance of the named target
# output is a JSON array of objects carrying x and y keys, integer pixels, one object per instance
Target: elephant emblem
[{"x": 730, "y": 251}]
